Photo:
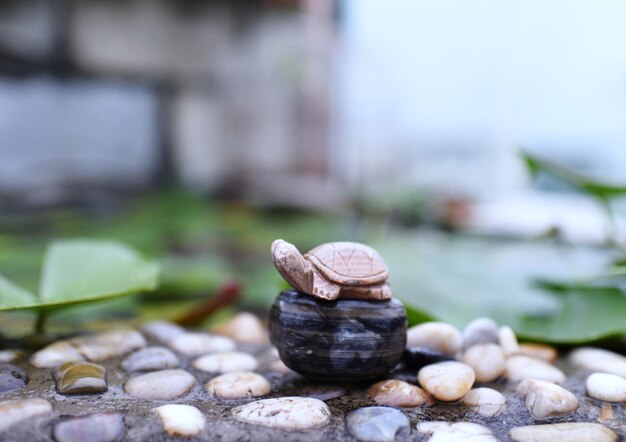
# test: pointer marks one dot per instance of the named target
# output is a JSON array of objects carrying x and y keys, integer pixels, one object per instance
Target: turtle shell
[{"x": 349, "y": 263}]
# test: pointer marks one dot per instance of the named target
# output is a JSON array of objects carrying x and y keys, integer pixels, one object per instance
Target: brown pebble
[
  {"x": 538, "y": 351},
  {"x": 606, "y": 413},
  {"x": 397, "y": 393}
]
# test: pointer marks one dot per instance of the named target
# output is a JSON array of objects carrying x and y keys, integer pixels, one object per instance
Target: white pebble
[
  {"x": 160, "y": 385},
  {"x": 545, "y": 399},
  {"x": 597, "y": 359},
  {"x": 196, "y": 344},
  {"x": 244, "y": 327},
  {"x": 508, "y": 340},
  {"x": 287, "y": 413},
  {"x": 519, "y": 368},
  {"x": 485, "y": 401},
  {"x": 9, "y": 355},
  {"x": 16, "y": 411},
  {"x": 181, "y": 420},
  {"x": 487, "y": 361},
  {"x": 396, "y": 393},
  {"x": 606, "y": 387},
  {"x": 480, "y": 331},
  {"x": 238, "y": 385},
  {"x": 162, "y": 331},
  {"x": 225, "y": 362},
  {"x": 55, "y": 354},
  {"x": 446, "y": 381},
  {"x": 439, "y": 336},
  {"x": 565, "y": 432},
  {"x": 456, "y": 432},
  {"x": 150, "y": 358}
]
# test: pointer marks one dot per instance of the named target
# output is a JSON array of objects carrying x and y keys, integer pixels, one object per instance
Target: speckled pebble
[
  {"x": 100, "y": 427},
  {"x": 545, "y": 399},
  {"x": 485, "y": 401},
  {"x": 12, "y": 378},
  {"x": 149, "y": 359},
  {"x": 447, "y": 381},
  {"x": 244, "y": 327},
  {"x": 80, "y": 378},
  {"x": 238, "y": 385},
  {"x": 456, "y": 432},
  {"x": 160, "y": 385},
  {"x": 606, "y": 387},
  {"x": 196, "y": 344},
  {"x": 597, "y": 359},
  {"x": 480, "y": 331},
  {"x": 225, "y": 362},
  {"x": 15, "y": 411},
  {"x": 55, "y": 354},
  {"x": 539, "y": 351},
  {"x": 10, "y": 355},
  {"x": 286, "y": 413},
  {"x": 162, "y": 331},
  {"x": 439, "y": 336},
  {"x": 487, "y": 361},
  {"x": 381, "y": 424},
  {"x": 108, "y": 344},
  {"x": 181, "y": 420},
  {"x": 520, "y": 367},
  {"x": 565, "y": 432},
  {"x": 397, "y": 393},
  {"x": 508, "y": 340}
]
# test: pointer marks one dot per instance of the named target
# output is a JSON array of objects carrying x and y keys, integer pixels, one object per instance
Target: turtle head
[{"x": 292, "y": 266}]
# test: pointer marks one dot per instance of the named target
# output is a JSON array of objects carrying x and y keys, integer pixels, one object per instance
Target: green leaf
[{"x": 13, "y": 296}]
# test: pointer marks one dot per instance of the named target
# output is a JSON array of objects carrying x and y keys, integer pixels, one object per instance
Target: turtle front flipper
[{"x": 324, "y": 289}]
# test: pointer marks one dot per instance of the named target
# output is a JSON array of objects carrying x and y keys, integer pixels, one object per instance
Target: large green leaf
[{"x": 13, "y": 296}]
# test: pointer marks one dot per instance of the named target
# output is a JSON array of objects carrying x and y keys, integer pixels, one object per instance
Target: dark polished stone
[
  {"x": 12, "y": 377},
  {"x": 417, "y": 357},
  {"x": 344, "y": 340}
]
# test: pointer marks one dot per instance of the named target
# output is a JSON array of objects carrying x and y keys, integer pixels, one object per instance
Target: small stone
[
  {"x": 377, "y": 424},
  {"x": 323, "y": 392},
  {"x": 480, "y": 331},
  {"x": 149, "y": 359},
  {"x": 485, "y": 401},
  {"x": 438, "y": 336},
  {"x": 487, "y": 361},
  {"x": 55, "y": 354},
  {"x": 19, "y": 410},
  {"x": 286, "y": 413},
  {"x": 238, "y": 385},
  {"x": 196, "y": 344},
  {"x": 417, "y": 357},
  {"x": 565, "y": 432},
  {"x": 456, "y": 431},
  {"x": 519, "y": 368},
  {"x": 245, "y": 328},
  {"x": 12, "y": 377},
  {"x": 597, "y": 359},
  {"x": 447, "y": 381},
  {"x": 181, "y": 420},
  {"x": 225, "y": 362},
  {"x": 160, "y": 385},
  {"x": 280, "y": 367},
  {"x": 539, "y": 351},
  {"x": 109, "y": 344},
  {"x": 606, "y": 387},
  {"x": 162, "y": 331},
  {"x": 396, "y": 393},
  {"x": 100, "y": 427},
  {"x": 80, "y": 378},
  {"x": 508, "y": 340},
  {"x": 9, "y": 355},
  {"x": 545, "y": 399}
]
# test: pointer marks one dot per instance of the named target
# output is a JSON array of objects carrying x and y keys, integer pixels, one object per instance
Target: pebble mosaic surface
[{"x": 158, "y": 384}]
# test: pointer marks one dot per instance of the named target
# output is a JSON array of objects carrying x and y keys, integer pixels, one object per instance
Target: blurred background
[{"x": 198, "y": 131}]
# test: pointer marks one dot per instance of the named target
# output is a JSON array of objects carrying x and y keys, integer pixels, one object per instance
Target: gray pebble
[
  {"x": 100, "y": 427},
  {"x": 149, "y": 359},
  {"x": 80, "y": 378},
  {"x": 17, "y": 411},
  {"x": 377, "y": 424},
  {"x": 12, "y": 377},
  {"x": 480, "y": 331},
  {"x": 162, "y": 331}
]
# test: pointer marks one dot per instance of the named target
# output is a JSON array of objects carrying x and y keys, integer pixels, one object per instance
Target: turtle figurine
[{"x": 334, "y": 270}]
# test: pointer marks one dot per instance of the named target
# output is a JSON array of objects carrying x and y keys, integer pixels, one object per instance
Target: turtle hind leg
[{"x": 321, "y": 288}]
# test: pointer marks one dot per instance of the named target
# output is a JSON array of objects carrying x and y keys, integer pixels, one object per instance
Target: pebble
[
  {"x": 181, "y": 420},
  {"x": 245, "y": 328},
  {"x": 15, "y": 411},
  {"x": 323, "y": 392},
  {"x": 606, "y": 387},
  {"x": 377, "y": 424},
  {"x": 100, "y": 427},
  {"x": 9, "y": 355},
  {"x": 160, "y": 385},
  {"x": 508, "y": 340},
  {"x": 545, "y": 399},
  {"x": 456, "y": 432},
  {"x": 539, "y": 351},
  {"x": 226, "y": 362},
  {"x": 438, "y": 336},
  {"x": 447, "y": 381},
  {"x": 196, "y": 344},
  {"x": 396, "y": 393},
  {"x": 480, "y": 331},
  {"x": 487, "y": 361},
  {"x": 55, "y": 354},
  {"x": 418, "y": 357},
  {"x": 280, "y": 367},
  {"x": 162, "y": 331},
  {"x": 597, "y": 359},
  {"x": 149, "y": 359},
  {"x": 287, "y": 413},
  {"x": 565, "y": 432},
  {"x": 80, "y": 378},
  {"x": 520, "y": 367},
  {"x": 12, "y": 377},
  {"x": 485, "y": 401},
  {"x": 238, "y": 385},
  {"x": 109, "y": 344}
]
